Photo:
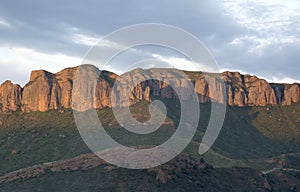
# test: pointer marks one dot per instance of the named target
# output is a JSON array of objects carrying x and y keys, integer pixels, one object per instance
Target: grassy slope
[
  {"x": 250, "y": 137},
  {"x": 41, "y": 137}
]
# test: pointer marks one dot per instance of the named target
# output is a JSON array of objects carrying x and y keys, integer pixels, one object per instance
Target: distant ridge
[{"x": 47, "y": 91}]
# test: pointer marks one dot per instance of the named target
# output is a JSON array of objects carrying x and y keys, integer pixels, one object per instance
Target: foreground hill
[{"x": 184, "y": 173}]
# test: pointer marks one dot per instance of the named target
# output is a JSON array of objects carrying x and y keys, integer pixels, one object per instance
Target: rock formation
[
  {"x": 10, "y": 97},
  {"x": 247, "y": 90},
  {"x": 40, "y": 94},
  {"x": 47, "y": 91}
]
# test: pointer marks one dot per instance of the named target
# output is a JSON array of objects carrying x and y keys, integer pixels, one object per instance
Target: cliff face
[
  {"x": 41, "y": 93},
  {"x": 246, "y": 90},
  {"x": 10, "y": 97},
  {"x": 52, "y": 91}
]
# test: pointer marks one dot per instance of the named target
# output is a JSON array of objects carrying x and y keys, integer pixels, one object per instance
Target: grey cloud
[
  {"x": 46, "y": 26},
  {"x": 275, "y": 61},
  {"x": 43, "y": 24}
]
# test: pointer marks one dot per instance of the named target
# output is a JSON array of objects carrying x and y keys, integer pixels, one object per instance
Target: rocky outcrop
[
  {"x": 10, "y": 97},
  {"x": 41, "y": 93},
  {"x": 291, "y": 94},
  {"x": 141, "y": 84},
  {"x": 92, "y": 89},
  {"x": 247, "y": 90},
  {"x": 54, "y": 91}
]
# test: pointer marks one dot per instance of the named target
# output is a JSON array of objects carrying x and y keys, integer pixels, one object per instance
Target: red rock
[{"x": 52, "y": 91}]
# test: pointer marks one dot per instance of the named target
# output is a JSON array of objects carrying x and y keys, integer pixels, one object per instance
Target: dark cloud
[
  {"x": 48, "y": 26},
  {"x": 43, "y": 24}
]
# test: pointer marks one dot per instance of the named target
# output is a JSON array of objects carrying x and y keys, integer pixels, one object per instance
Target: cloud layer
[{"x": 256, "y": 37}]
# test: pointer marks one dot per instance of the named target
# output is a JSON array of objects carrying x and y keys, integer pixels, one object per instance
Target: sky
[{"x": 258, "y": 37}]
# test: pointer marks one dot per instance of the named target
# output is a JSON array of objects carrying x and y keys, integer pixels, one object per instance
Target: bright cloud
[
  {"x": 268, "y": 22},
  {"x": 19, "y": 61},
  {"x": 4, "y": 22},
  {"x": 94, "y": 40},
  {"x": 279, "y": 78},
  {"x": 184, "y": 64},
  {"x": 85, "y": 39},
  {"x": 257, "y": 36}
]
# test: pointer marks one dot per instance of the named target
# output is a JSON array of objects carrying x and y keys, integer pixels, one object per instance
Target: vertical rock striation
[
  {"x": 247, "y": 90},
  {"x": 10, "y": 97},
  {"x": 47, "y": 91}
]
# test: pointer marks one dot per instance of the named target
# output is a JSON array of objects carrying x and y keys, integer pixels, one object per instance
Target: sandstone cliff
[
  {"x": 247, "y": 90},
  {"x": 54, "y": 91},
  {"x": 10, "y": 97}
]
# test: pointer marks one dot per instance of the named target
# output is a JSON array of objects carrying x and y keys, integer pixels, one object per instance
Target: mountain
[
  {"x": 258, "y": 148},
  {"x": 47, "y": 91}
]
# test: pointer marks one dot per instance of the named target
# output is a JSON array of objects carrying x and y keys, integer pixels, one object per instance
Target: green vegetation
[
  {"x": 40, "y": 137},
  {"x": 251, "y": 137},
  {"x": 37, "y": 138},
  {"x": 206, "y": 179}
]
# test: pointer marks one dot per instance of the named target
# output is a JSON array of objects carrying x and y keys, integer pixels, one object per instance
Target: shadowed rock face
[
  {"x": 246, "y": 90},
  {"x": 52, "y": 91},
  {"x": 291, "y": 94}
]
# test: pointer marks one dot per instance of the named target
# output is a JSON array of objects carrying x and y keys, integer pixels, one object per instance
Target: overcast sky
[{"x": 260, "y": 37}]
